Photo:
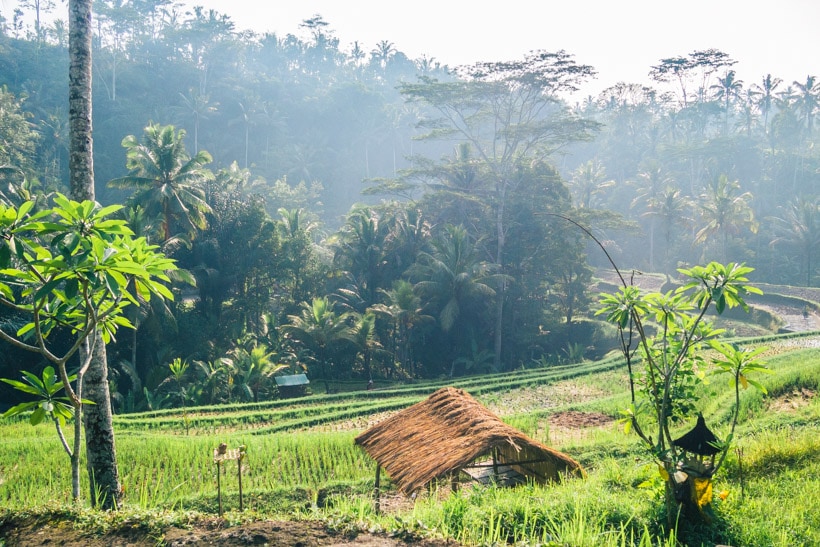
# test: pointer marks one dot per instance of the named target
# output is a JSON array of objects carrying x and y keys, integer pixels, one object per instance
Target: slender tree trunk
[{"x": 100, "y": 451}]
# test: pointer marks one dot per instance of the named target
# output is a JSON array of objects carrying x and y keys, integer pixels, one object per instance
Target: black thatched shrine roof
[{"x": 700, "y": 440}]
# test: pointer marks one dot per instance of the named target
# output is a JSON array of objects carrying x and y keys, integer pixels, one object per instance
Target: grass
[{"x": 300, "y": 469}]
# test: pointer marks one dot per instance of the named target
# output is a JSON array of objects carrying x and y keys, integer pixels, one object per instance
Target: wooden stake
[
  {"x": 239, "y": 474},
  {"x": 219, "y": 485},
  {"x": 376, "y": 494}
]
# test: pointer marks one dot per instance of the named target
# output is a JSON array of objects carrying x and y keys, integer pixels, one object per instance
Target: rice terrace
[
  {"x": 261, "y": 287},
  {"x": 306, "y": 482}
]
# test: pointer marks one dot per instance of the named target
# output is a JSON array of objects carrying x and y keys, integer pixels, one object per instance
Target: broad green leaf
[
  {"x": 760, "y": 387},
  {"x": 25, "y": 329},
  {"x": 20, "y": 386},
  {"x": 25, "y": 207},
  {"x": 37, "y": 416},
  {"x": 109, "y": 210},
  {"x": 6, "y": 292},
  {"x": 162, "y": 290},
  {"x": 19, "y": 409},
  {"x": 47, "y": 288}
]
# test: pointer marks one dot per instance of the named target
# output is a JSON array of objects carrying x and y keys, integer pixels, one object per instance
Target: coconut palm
[
  {"x": 382, "y": 53},
  {"x": 589, "y": 180},
  {"x": 101, "y": 459},
  {"x": 652, "y": 180},
  {"x": 726, "y": 89},
  {"x": 360, "y": 251},
  {"x": 798, "y": 227},
  {"x": 765, "y": 97},
  {"x": 808, "y": 100},
  {"x": 363, "y": 335},
  {"x": 672, "y": 210},
  {"x": 403, "y": 308},
  {"x": 319, "y": 329},
  {"x": 168, "y": 182},
  {"x": 198, "y": 106},
  {"x": 253, "y": 367},
  {"x": 724, "y": 211},
  {"x": 452, "y": 277}
]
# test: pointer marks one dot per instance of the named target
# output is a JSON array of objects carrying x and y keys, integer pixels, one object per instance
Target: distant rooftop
[{"x": 292, "y": 380}]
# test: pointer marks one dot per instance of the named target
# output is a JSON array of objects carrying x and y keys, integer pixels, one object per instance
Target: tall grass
[{"x": 772, "y": 484}]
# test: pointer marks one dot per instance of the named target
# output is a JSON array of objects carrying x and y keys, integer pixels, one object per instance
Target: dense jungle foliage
[{"x": 342, "y": 210}]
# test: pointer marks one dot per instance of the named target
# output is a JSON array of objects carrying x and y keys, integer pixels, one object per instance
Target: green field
[{"x": 302, "y": 463}]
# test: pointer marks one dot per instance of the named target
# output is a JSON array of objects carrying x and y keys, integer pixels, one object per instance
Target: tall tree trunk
[
  {"x": 81, "y": 162},
  {"x": 99, "y": 429},
  {"x": 101, "y": 454},
  {"x": 502, "y": 283}
]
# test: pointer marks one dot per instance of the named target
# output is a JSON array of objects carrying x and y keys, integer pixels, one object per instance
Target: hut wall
[{"x": 541, "y": 472}]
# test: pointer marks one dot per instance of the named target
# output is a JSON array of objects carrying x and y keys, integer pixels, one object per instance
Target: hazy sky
[{"x": 620, "y": 38}]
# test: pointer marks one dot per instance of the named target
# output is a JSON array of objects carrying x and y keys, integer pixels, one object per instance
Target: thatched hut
[{"x": 450, "y": 432}]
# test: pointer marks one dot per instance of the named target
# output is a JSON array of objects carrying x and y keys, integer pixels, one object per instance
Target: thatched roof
[
  {"x": 699, "y": 440},
  {"x": 447, "y": 432}
]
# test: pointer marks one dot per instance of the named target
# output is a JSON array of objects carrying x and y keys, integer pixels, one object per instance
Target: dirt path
[
  {"x": 33, "y": 532},
  {"x": 795, "y": 318}
]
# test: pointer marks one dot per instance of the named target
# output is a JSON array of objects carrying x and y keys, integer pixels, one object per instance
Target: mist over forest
[{"x": 359, "y": 214}]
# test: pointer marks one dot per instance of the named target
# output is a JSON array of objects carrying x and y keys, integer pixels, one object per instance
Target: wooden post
[
  {"x": 219, "y": 485},
  {"x": 239, "y": 476},
  {"x": 495, "y": 464},
  {"x": 376, "y": 493},
  {"x": 242, "y": 454}
]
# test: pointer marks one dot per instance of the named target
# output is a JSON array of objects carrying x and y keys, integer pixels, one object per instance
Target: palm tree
[
  {"x": 382, "y": 53},
  {"x": 451, "y": 276},
  {"x": 319, "y": 329},
  {"x": 168, "y": 182},
  {"x": 724, "y": 211},
  {"x": 409, "y": 233},
  {"x": 671, "y": 208},
  {"x": 403, "y": 308},
  {"x": 799, "y": 228},
  {"x": 808, "y": 99},
  {"x": 651, "y": 182},
  {"x": 360, "y": 251},
  {"x": 363, "y": 335},
  {"x": 765, "y": 97},
  {"x": 296, "y": 229},
  {"x": 213, "y": 380},
  {"x": 726, "y": 89},
  {"x": 589, "y": 180},
  {"x": 253, "y": 367},
  {"x": 198, "y": 106}
]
